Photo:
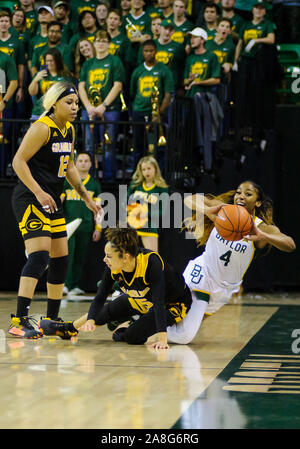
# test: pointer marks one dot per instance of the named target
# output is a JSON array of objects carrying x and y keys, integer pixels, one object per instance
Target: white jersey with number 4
[{"x": 227, "y": 261}]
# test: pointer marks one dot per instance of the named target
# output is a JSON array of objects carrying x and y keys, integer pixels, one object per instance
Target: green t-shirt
[
  {"x": 77, "y": 6},
  {"x": 211, "y": 34},
  {"x": 102, "y": 74},
  {"x": 206, "y": 66},
  {"x": 146, "y": 197},
  {"x": 153, "y": 12},
  {"x": 237, "y": 22},
  {"x": 225, "y": 51},
  {"x": 74, "y": 207},
  {"x": 44, "y": 85},
  {"x": 142, "y": 24},
  {"x": 36, "y": 42},
  {"x": 254, "y": 31},
  {"x": 38, "y": 56},
  {"x": 172, "y": 55},
  {"x": 120, "y": 46},
  {"x": 14, "y": 48},
  {"x": 180, "y": 32},
  {"x": 142, "y": 82},
  {"x": 9, "y": 67},
  {"x": 24, "y": 37},
  {"x": 32, "y": 21},
  {"x": 76, "y": 37}
]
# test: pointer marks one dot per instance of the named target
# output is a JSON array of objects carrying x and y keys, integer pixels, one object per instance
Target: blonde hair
[
  {"x": 52, "y": 95},
  {"x": 138, "y": 178}
]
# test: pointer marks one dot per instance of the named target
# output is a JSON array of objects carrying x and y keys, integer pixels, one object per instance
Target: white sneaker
[
  {"x": 65, "y": 290},
  {"x": 76, "y": 291}
]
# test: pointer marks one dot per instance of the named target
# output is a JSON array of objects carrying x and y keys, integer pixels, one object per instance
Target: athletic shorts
[
  {"x": 204, "y": 287},
  {"x": 33, "y": 220}
]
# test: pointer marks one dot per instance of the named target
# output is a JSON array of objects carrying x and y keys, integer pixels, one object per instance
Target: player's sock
[
  {"x": 53, "y": 308},
  {"x": 23, "y": 306}
]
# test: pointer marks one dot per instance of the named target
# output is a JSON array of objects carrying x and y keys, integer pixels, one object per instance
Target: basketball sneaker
[
  {"x": 63, "y": 329},
  {"x": 21, "y": 327}
]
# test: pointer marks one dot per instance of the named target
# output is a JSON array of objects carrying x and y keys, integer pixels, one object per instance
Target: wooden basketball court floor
[{"x": 241, "y": 372}]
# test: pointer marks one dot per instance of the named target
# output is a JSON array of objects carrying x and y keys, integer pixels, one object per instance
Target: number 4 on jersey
[{"x": 226, "y": 257}]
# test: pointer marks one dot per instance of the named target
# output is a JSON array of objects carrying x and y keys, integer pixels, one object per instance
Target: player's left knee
[{"x": 57, "y": 270}]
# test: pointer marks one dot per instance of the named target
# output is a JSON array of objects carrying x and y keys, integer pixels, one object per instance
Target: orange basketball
[{"x": 233, "y": 222}]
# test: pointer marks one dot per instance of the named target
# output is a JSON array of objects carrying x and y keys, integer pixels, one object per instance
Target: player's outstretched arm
[{"x": 269, "y": 234}]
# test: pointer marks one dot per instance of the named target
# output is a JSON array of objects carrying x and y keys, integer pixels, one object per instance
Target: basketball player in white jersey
[{"x": 214, "y": 276}]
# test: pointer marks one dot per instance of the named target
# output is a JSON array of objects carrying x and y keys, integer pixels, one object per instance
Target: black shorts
[{"x": 33, "y": 220}]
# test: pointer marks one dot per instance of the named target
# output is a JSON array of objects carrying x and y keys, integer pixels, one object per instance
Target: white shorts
[{"x": 207, "y": 297}]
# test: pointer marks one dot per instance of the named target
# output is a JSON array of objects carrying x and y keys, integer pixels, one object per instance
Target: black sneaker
[
  {"x": 21, "y": 327},
  {"x": 58, "y": 327}
]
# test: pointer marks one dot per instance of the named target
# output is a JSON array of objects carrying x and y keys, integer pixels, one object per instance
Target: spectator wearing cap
[
  {"x": 259, "y": 31},
  {"x": 31, "y": 15},
  {"x": 170, "y": 53},
  {"x": 54, "y": 32},
  {"x": 45, "y": 16},
  {"x": 77, "y": 7},
  {"x": 228, "y": 12},
  {"x": 87, "y": 28},
  {"x": 181, "y": 24},
  {"x": 244, "y": 7},
  {"x": 166, "y": 8},
  {"x": 62, "y": 12},
  {"x": 202, "y": 69}
]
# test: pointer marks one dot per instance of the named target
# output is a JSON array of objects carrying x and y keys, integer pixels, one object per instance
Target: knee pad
[
  {"x": 57, "y": 270},
  {"x": 36, "y": 264}
]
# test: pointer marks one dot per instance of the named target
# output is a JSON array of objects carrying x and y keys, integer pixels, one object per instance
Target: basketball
[{"x": 233, "y": 222}]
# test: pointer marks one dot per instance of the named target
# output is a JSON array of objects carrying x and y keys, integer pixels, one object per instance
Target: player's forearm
[
  {"x": 74, "y": 179},
  {"x": 23, "y": 172}
]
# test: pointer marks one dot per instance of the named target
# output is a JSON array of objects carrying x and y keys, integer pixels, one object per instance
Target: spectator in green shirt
[
  {"x": 143, "y": 80},
  {"x": 18, "y": 28},
  {"x": 62, "y": 12},
  {"x": 53, "y": 71},
  {"x": 10, "y": 77},
  {"x": 105, "y": 73},
  {"x": 88, "y": 230},
  {"x": 101, "y": 12},
  {"x": 54, "y": 30},
  {"x": 202, "y": 69},
  {"x": 31, "y": 15},
  {"x": 222, "y": 45},
  {"x": 84, "y": 50},
  {"x": 45, "y": 16},
  {"x": 87, "y": 27},
  {"x": 181, "y": 24},
  {"x": 15, "y": 49},
  {"x": 258, "y": 31},
  {"x": 228, "y": 12}
]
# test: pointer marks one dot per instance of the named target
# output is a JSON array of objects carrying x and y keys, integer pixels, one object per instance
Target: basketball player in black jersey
[
  {"x": 43, "y": 160},
  {"x": 151, "y": 289}
]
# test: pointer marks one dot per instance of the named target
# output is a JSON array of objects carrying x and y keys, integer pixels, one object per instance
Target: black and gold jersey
[
  {"x": 49, "y": 165},
  {"x": 153, "y": 283}
]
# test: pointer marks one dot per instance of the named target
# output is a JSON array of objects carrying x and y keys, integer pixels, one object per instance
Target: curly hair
[
  {"x": 202, "y": 232},
  {"x": 123, "y": 240}
]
